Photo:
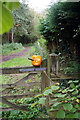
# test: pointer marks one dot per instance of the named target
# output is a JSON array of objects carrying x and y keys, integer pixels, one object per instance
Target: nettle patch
[{"x": 65, "y": 101}]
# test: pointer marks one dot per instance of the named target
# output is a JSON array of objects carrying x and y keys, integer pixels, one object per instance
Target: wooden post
[
  {"x": 53, "y": 64},
  {"x": 57, "y": 65},
  {"x": 45, "y": 83},
  {"x": 48, "y": 65}
]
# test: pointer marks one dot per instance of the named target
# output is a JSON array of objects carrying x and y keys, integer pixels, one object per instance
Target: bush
[
  {"x": 9, "y": 47},
  {"x": 39, "y": 48}
]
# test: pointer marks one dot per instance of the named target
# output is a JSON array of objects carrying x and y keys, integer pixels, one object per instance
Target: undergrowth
[
  {"x": 9, "y": 48},
  {"x": 39, "y": 48}
]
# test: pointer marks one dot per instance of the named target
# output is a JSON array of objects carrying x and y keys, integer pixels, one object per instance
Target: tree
[
  {"x": 62, "y": 26},
  {"x": 23, "y": 29}
]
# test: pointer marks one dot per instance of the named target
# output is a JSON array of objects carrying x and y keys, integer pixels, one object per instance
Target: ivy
[
  {"x": 67, "y": 106},
  {"x": 60, "y": 114}
]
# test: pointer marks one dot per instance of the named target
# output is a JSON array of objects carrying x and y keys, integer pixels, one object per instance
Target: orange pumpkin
[{"x": 36, "y": 60}]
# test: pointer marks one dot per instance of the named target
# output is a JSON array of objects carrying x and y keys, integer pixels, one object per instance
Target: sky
[{"x": 39, "y": 5}]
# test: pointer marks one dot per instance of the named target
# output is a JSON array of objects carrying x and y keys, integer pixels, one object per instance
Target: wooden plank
[
  {"x": 48, "y": 65},
  {"x": 25, "y": 78},
  {"x": 45, "y": 81},
  {"x": 32, "y": 69},
  {"x": 20, "y": 85},
  {"x": 6, "y": 85},
  {"x": 14, "y": 106},
  {"x": 14, "y": 70},
  {"x": 54, "y": 63},
  {"x": 68, "y": 78},
  {"x": 18, "y": 82},
  {"x": 2, "y": 109},
  {"x": 44, "y": 63},
  {"x": 65, "y": 76},
  {"x": 57, "y": 65},
  {"x": 18, "y": 96}
]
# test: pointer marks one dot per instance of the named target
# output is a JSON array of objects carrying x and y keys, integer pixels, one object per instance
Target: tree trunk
[
  {"x": 8, "y": 38},
  {"x": 12, "y": 35}
]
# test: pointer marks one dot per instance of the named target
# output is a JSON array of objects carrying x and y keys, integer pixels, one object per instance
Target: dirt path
[{"x": 9, "y": 57}]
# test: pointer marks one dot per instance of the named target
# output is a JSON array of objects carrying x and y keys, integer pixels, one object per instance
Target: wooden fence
[{"x": 50, "y": 73}]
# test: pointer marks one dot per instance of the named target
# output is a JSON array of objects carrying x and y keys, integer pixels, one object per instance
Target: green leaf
[
  {"x": 72, "y": 85},
  {"x": 54, "y": 87},
  {"x": 78, "y": 96},
  {"x": 75, "y": 92},
  {"x": 72, "y": 98},
  {"x": 76, "y": 106},
  {"x": 70, "y": 115},
  {"x": 76, "y": 115},
  {"x": 70, "y": 90},
  {"x": 76, "y": 81},
  {"x": 64, "y": 91},
  {"x": 54, "y": 100},
  {"x": 42, "y": 100},
  {"x": 47, "y": 92},
  {"x": 73, "y": 110},
  {"x": 59, "y": 95},
  {"x": 12, "y": 5},
  {"x": 67, "y": 106},
  {"x": 70, "y": 81},
  {"x": 7, "y": 20},
  {"x": 60, "y": 114},
  {"x": 55, "y": 104}
]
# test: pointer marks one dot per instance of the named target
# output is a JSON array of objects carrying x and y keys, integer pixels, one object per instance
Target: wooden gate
[{"x": 50, "y": 73}]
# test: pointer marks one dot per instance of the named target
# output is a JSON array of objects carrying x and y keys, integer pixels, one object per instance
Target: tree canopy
[{"x": 62, "y": 25}]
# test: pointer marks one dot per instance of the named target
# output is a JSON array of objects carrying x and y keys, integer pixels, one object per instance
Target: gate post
[{"x": 52, "y": 64}]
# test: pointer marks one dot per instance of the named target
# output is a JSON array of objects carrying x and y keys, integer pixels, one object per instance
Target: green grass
[
  {"x": 16, "y": 62},
  {"x": 10, "y": 79}
]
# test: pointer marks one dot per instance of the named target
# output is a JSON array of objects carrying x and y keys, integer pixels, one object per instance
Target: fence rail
[{"x": 50, "y": 73}]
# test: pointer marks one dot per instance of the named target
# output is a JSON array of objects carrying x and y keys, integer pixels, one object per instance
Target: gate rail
[{"x": 50, "y": 73}]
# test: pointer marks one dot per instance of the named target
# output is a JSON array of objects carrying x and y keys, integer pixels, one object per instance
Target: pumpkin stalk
[{"x": 31, "y": 59}]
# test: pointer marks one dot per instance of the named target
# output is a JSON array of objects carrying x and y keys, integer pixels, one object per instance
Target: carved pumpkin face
[{"x": 36, "y": 60}]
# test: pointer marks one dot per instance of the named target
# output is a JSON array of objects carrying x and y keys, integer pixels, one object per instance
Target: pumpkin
[{"x": 36, "y": 60}]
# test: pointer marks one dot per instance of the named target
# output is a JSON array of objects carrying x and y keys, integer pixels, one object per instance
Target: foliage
[
  {"x": 24, "y": 28},
  {"x": 6, "y": 19},
  {"x": 31, "y": 112},
  {"x": 62, "y": 27},
  {"x": 65, "y": 101},
  {"x": 22, "y": 20},
  {"x": 68, "y": 65},
  {"x": 73, "y": 68},
  {"x": 11, "y": 48},
  {"x": 39, "y": 48}
]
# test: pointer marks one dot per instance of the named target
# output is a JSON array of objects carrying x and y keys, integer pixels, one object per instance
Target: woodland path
[{"x": 14, "y": 55}]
